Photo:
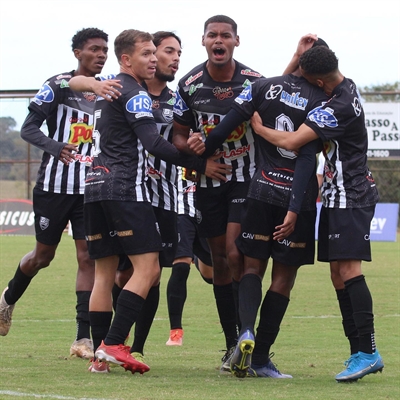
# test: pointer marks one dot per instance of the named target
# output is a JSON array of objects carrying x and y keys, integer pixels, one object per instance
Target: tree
[{"x": 388, "y": 92}]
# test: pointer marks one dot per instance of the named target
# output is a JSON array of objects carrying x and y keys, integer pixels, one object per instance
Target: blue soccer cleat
[
  {"x": 359, "y": 365},
  {"x": 267, "y": 370},
  {"x": 241, "y": 358}
]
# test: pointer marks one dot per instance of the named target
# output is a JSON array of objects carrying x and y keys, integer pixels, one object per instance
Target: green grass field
[{"x": 35, "y": 363}]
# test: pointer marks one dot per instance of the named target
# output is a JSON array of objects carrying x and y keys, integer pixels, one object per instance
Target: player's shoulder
[
  {"x": 245, "y": 71},
  {"x": 195, "y": 74}
]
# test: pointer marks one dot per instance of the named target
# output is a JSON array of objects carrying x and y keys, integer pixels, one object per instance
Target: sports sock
[
  {"x": 82, "y": 315},
  {"x": 349, "y": 327},
  {"x": 99, "y": 324},
  {"x": 226, "y": 312},
  {"x": 250, "y": 294},
  {"x": 235, "y": 291},
  {"x": 272, "y": 312},
  {"x": 361, "y": 300},
  {"x": 129, "y": 306},
  {"x": 145, "y": 319},
  {"x": 116, "y": 290},
  {"x": 17, "y": 286},
  {"x": 176, "y": 293}
]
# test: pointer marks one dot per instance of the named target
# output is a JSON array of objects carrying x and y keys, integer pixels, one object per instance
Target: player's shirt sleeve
[
  {"x": 44, "y": 104},
  {"x": 181, "y": 110}
]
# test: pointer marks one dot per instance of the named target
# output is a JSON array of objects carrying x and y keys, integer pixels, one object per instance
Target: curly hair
[
  {"x": 82, "y": 36},
  {"x": 222, "y": 19},
  {"x": 159, "y": 36},
  {"x": 125, "y": 42},
  {"x": 318, "y": 61}
]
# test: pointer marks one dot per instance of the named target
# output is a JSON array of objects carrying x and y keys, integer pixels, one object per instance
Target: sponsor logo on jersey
[
  {"x": 294, "y": 100},
  {"x": 323, "y": 117},
  {"x": 89, "y": 96},
  {"x": 63, "y": 84},
  {"x": 235, "y": 153},
  {"x": 193, "y": 78},
  {"x": 81, "y": 133},
  {"x": 223, "y": 93},
  {"x": 273, "y": 92},
  {"x": 140, "y": 105},
  {"x": 153, "y": 173},
  {"x": 193, "y": 88},
  {"x": 58, "y": 77},
  {"x": 44, "y": 95},
  {"x": 96, "y": 173},
  {"x": 106, "y": 77},
  {"x": 180, "y": 106},
  {"x": 155, "y": 105},
  {"x": 236, "y": 134},
  {"x": 278, "y": 177},
  {"x": 245, "y": 95},
  {"x": 249, "y": 72},
  {"x": 357, "y": 106}
]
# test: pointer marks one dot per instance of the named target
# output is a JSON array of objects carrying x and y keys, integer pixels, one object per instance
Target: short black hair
[
  {"x": 159, "y": 36},
  {"x": 223, "y": 19},
  {"x": 320, "y": 42},
  {"x": 82, "y": 36},
  {"x": 319, "y": 60},
  {"x": 125, "y": 42}
]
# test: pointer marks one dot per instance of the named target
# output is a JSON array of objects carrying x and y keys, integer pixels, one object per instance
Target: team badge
[
  {"x": 180, "y": 106},
  {"x": 245, "y": 95},
  {"x": 323, "y": 117},
  {"x": 44, "y": 95},
  {"x": 44, "y": 223}
]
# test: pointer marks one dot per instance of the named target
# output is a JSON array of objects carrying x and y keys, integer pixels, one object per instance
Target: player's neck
[
  {"x": 155, "y": 86},
  {"x": 221, "y": 73}
]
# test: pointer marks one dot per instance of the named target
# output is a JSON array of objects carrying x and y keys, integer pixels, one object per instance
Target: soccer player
[
  {"x": 58, "y": 194},
  {"x": 119, "y": 218},
  {"x": 204, "y": 96},
  {"x": 349, "y": 196}
]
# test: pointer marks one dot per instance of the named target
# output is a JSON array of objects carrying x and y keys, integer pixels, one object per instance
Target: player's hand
[
  {"x": 305, "y": 43},
  {"x": 256, "y": 122},
  {"x": 216, "y": 170},
  {"x": 107, "y": 89},
  {"x": 284, "y": 230},
  {"x": 196, "y": 144},
  {"x": 191, "y": 175},
  {"x": 67, "y": 154}
]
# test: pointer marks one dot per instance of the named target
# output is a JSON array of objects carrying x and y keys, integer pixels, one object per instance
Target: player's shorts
[
  {"x": 168, "y": 225},
  {"x": 344, "y": 234},
  {"x": 257, "y": 228},
  {"x": 121, "y": 227},
  {"x": 190, "y": 243},
  {"x": 52, "y": 213},
  {"x": 220, "y": 205}
]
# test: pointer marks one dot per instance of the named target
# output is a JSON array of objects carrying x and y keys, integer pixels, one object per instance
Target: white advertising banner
[{"x": 382, "y": 121}]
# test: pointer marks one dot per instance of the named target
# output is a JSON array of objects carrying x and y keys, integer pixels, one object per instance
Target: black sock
[
  {"x": 82, "y": 315},
  {"x": 145, "y": 319},
  {"x": 235, "y": 291},
  {"x": 361, "y": 300},
  {"x": 17, "y": 286},
  {"x": 176, "y": 293},
  {"x": 116, "y": 291},
  {"x": 272, "y": 312},
  {"x": 250, "y": 294},
  {"x": 226, "y": 312},
  {"x": 99, "y": 324},
  {"x": 129, "y": 306},
  {"x": 349, "y": 327}
]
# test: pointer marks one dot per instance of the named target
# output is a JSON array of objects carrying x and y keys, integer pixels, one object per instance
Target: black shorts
[
  {"x": 343, "y": 234},
  {"x": 121, "y": 227},
  {"x": 258, "y": 225},
  {"x": 220, "y": 205},
  {"x": 190, "y": 243},
  {"x": 168, "y": 225},
  {"x": 52, "y": 213}
]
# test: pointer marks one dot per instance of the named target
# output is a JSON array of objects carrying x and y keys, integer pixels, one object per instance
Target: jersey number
[
  {"x": 96, "y": 135},
  {"x": 284, "y": 123}
]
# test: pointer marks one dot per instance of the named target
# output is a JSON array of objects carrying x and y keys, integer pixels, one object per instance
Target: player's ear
[
  {"x": 202, "y": 41},
  {"x": 77, "y": 54},
  {"x": 320, "y": 83},
  {"x": 237, "y": 41}
]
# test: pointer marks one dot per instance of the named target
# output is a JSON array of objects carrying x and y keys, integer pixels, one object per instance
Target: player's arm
[
  {"x": 286, "y": 140},
  {"x": 104, "y": 88},
  {"x": 180, "y": 137},
  {"x": 305, "y": 43}
]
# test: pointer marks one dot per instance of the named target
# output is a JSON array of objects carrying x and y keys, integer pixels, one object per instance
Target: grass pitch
[{"x": 35, "y": 362}]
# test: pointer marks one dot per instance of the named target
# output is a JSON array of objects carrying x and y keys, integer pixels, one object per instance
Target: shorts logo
[
  {"x": 292, "y": 245},
  {"x": 91, "y": 238},
  {"x": 121, "y": 233},
  {"x": 44, "y": 95},
  {"x": 199, "y": 217},
  {"x": 44, "y": 223},
  {"x": 256, "y": 236}
]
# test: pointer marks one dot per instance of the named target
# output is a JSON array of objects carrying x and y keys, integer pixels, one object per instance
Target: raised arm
[{"x": 104, "y": 88}]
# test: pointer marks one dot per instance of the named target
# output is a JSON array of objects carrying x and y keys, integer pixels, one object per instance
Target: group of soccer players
[{"x": 254, "y": 199}]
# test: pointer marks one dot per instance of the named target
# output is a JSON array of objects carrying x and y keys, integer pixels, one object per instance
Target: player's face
[
  {"x": 168, "y": 54},
  {"x": 143, "y": 61},
  {"x": 220, "y": 42},
  {"x": 92, "y": 56}
]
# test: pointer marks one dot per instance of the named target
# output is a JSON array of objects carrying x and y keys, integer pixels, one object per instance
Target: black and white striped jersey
[
  {"x": 340, "y": 123},
  {"x": 186, "y": 194},
  {"x": 69, "y": 119},
  {"x": 161, "y": 175},
  {"x": 202, "y": 103}
]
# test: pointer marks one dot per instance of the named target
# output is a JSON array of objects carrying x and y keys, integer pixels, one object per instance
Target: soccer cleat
[
  {"x": 359, "y": 365},
  {"x": 6, "y": 311},
  {"x": 82, "y": 348},
  {"x": 119, "y": 354},
  {"x": 99, "y": 367},
  {"x": 268, "y": 370},
  {"x": 226, "y": 360},
  {"x": 175, "y": 337},
  {"x": 138, "y": 357},
  {"x": 241, "y": 358}
]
